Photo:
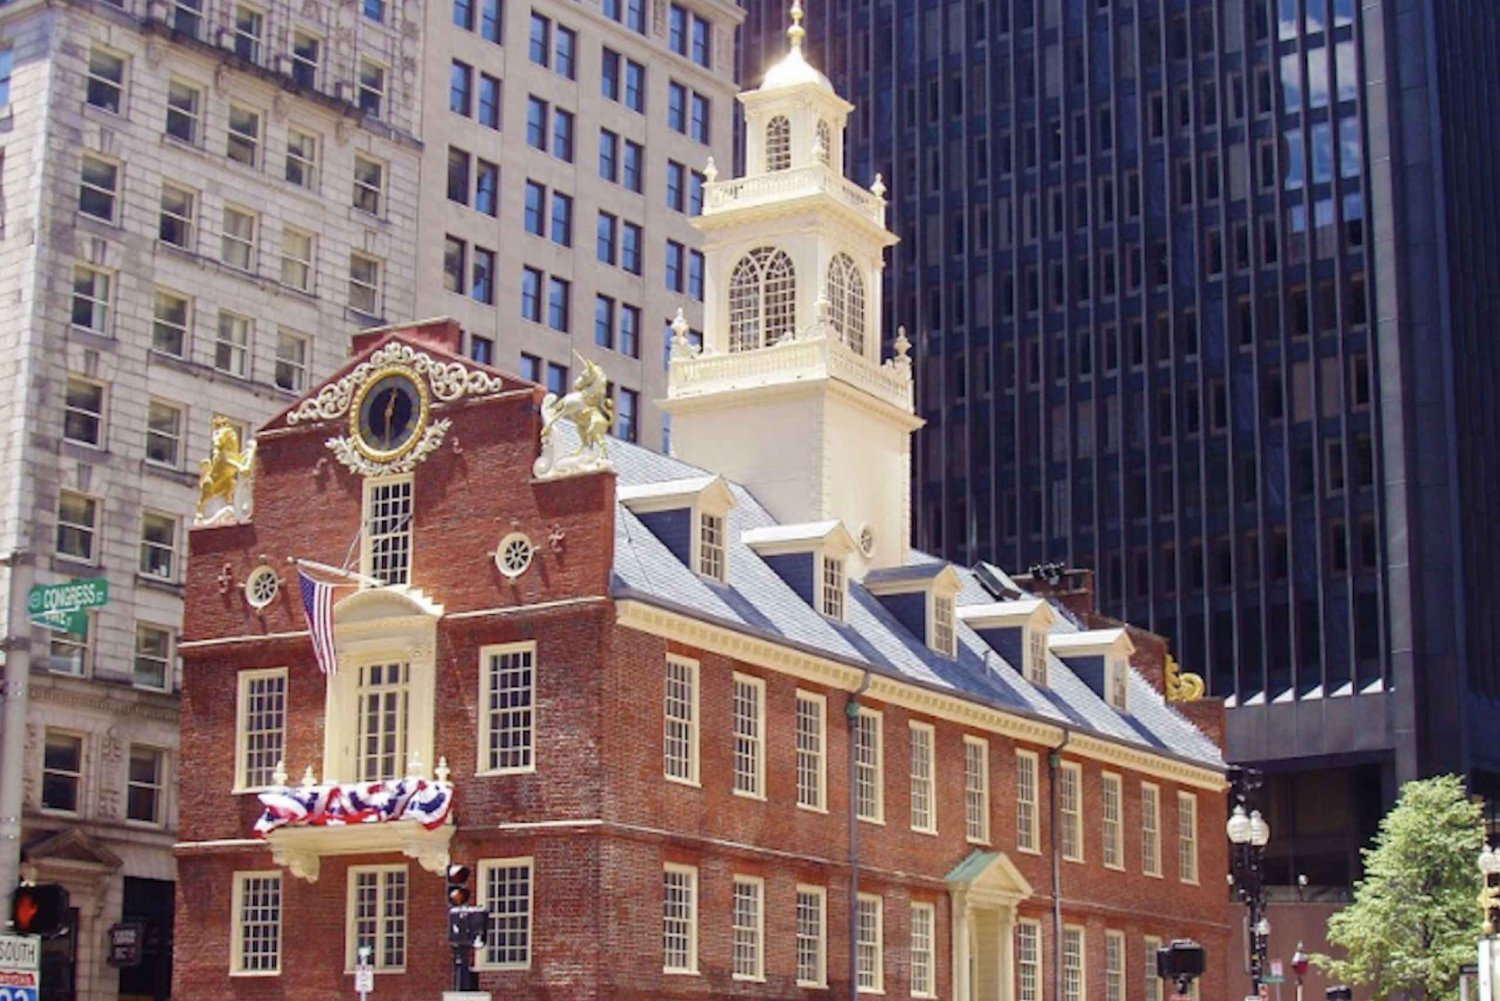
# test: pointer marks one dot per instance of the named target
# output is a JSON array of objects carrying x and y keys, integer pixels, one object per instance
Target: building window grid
[
  {"x": 262, "y": 726},
  {"x": 977, "y": 790},
  {"x": 297, "y": 258},
  {"x": 507, "y": 885},
  {"x": 846, "y": 294},
  {"x": 749, "y": 711},
  {"x": 778, "y": 144},
  {"x": 1153, "y": 982},
  {"x": 869, "y": 945},
  {"x": 163, "y": 434},
  {"x": 762, "y": 299},
  {"x": 509, "y": 686},
  {"x": 1150, "y": 829},
  {"x": 83, "y": 411},
  {"x": 1028, "y": 961},
  {"x": 923, "y": 779},
  {"x": 679, "y": 919},
  {"x": 98, "y": 187},
  {"x": 1070, "y": 797},
  {"x": 153, "y": 657},
  {"x": 812, "y": 920},
  {"x": 378, "y": 916},
  {"x": 833, "y": 588},
  {"x": 77, "y": 525},
  {"x": 257, "y": 910},
  {"x": 62, "y": 771},
  {"x": 91, "y": 299},
  {"x": 868, "y": 767},
  {"x": 388, "y": 513},
  {"x": 145, "y": 783},
  {"x": 382, "y": 705},
  {"x": 711, "y": 546},
  {"x": 1073, "y": 972},
  {"x": 158, "y": 546},
  {"x": 680, "y": 739},
  {"x": 811, "y": 776},
  {"x": 184, "y": 111},
  {"x": 1187, "y": 837},
  {"x": 1027, "y": 834},
  {"x": 1114, "y": 966},
  {"x": 923, "y": 969},
  {"x": 1113, "y": 852},
  {"x": 944, "y": 633},
  {"x": 748, "y": 952}
]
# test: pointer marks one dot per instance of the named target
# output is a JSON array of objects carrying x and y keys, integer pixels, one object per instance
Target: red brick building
[{"x": 707, "y": 726}]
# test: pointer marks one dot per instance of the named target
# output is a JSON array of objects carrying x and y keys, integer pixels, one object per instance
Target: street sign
[
  {"x": 364, "y": 980},
  {"x": 125, "y": 941},
  {"x": 64, "y": 607},
  {"x": 20, "y": 967}
]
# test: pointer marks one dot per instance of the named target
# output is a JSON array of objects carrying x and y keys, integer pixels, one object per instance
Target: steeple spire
[{"x": 796, "y": 32}]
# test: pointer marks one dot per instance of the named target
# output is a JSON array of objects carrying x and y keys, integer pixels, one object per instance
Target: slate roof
[{"x": 755, "y": 600}]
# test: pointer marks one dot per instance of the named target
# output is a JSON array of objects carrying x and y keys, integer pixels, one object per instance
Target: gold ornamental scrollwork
[
  {"x": 1181, "y": 686},
  {"x": 446, "y": 380}
]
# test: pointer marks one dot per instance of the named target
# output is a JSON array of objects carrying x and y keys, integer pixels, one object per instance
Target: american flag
[{"x": 317, "y": 602}]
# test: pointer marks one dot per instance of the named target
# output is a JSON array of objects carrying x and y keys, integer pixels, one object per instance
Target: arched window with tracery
[
  {"x": 762, "y": 299},
  {"x": 778, "y": 143},
  {"x": 825, "y": 142},
  {"x": 846, "y": 301}
]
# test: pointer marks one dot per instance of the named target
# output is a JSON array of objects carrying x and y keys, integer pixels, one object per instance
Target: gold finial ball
[{"x": 796, "y": 31}]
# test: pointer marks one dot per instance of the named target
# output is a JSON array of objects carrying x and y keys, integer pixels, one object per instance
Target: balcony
[
  {"x": 410, "y": 815},
  {"x": 802, "y": 359},
  {"x": 784, "y": 185}
]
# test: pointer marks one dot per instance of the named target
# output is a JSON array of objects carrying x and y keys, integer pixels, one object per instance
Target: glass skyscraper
[{"x": 1203, "y": 298}]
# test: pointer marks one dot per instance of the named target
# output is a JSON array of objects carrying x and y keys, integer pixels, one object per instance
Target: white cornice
[{"x": 808, "y": 666}]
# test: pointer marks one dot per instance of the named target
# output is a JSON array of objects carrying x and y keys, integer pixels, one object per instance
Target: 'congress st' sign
[{"x": 64, "y": 607}]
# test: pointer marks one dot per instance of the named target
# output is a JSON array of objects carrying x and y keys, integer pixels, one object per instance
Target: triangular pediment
[
  {"x": 988, "y": 878},
  {"x": 76, "y": 846}
]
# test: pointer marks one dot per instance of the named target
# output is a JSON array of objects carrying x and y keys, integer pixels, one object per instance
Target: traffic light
[
  {"x": 40, "y": 910},
  {"x": 1182, "y": 961},
  {"x": 466, "y": 924},
  {"x": 459, "y": 893}
]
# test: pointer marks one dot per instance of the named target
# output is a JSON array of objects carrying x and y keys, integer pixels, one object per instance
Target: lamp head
[
  {"x": 1238, "y": 827},
  {"x": 1260, "y": 831}
]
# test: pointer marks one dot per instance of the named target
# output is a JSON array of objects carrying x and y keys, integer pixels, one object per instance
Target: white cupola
[{"x": 789, "y": 394}]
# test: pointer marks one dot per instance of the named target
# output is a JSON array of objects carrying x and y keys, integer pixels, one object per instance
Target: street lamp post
[
  {"x": 1489, "y": 904},
  {"x": 1248, "y": 835},
  {"x": 1299, "y": 967}
]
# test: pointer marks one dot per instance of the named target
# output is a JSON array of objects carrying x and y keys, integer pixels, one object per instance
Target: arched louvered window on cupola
[
  {"x": 778, "y": 143},
  {"x": 825, "y": 142},
  {"x": 762, "y": 299},
  {"x": 846, "y": 302}
]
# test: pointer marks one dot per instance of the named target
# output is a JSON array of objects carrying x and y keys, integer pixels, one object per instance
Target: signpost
[
  {"x": 20, "y": 967},
  {"x": 65, "y": 607},
  {"x": 125, "y": 941},
  {"x": 364, "y": 974}
]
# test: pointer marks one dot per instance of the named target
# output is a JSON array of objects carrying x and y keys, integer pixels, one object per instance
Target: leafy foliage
[{"x": 1415, "y": 917}]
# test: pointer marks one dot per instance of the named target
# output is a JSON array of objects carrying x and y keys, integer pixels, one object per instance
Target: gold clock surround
[{"x": 419, "y": 419}]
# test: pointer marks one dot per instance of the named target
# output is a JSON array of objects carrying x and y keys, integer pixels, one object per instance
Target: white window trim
[
  {"x": 929, "y": 780},
  {"x": 366, "y": 541},
  {"x": 241, "y": 721},
  {"x": 482, "y": 882},
  {"x": 1113, "y": 935},
  {"x": 879, "y": 987},
  {"x": 1151, "y": 944},
  {"x": 1187, "y": 838},
  {"x": 1076, "y": 770},
  {"x": 983, "y": 747},
  {"x": 102, "y": 416},
  {"x": 1083, "y": 961},
  {"x": 878, "y": 817},
  {"x": 83, "y": 771},
  {"x": 695, "y": 725},
  {"x": 1155, "y": 832},
  {"x": 759, "y": 975},
  {"x": 826, "y": 595},
  {"x": 94, "y": 542},
  {"x": 691, "y": 969},
  {"x": 934, "y": 596},
  {"x": 932, "y": 962},
  {"x": 699, "y": 513},
  {"x": 1114, "y": 667},
  {"x": 821, "y": 702},
  {"x": 163, "y": 785},
  {"x": 236, "y": 933},
  {"x": 758, "y": 687},
  {"x": 1118, "y": 841},
  {"x": 174, "y": 550},
  {"x": 822, "y": 894},
  {"x": 481, "y": 764},
  {"x": 1040, "y": 964},
  {"x": 351, "y": 957},
  {"x": 1034, "y": 829}
]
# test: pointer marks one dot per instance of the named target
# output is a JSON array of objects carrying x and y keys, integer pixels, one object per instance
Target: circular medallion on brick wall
[
  {"x": 262, "y": 587},
  {"x": 513, "y": 555}
]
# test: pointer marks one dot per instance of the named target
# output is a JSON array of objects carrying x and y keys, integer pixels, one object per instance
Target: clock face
[{"x": 391, "y": 412}]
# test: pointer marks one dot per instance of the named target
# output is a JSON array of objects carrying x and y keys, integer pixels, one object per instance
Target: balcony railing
[
  {"x": 781, "y": 185},
  {"x": 801, "y": 359}
]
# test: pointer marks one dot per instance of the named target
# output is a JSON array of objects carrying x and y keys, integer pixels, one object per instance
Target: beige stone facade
[
  {"x": 199, "y": 204},
  {"x": 576, "y": 58}
]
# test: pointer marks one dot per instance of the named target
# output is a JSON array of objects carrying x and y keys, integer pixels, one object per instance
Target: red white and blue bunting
[{"x": 426, "y": 801}]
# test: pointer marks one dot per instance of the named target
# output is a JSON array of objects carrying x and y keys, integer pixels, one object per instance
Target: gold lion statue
[{"x": 219, "y": 474}]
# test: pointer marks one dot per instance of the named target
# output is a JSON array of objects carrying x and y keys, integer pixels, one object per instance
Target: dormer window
[
  {"x": 778, "y": 143},
  {"x": 1035, "y": 667},
  {"x": 690, "y": 517},
  {"x": 387, "y": 529},
  {"x": 1018, "y": 630},
  {"x": 711, "y": 545},
  {"x": 941, "y": 634},
  {"x": 833, "y": 587},
  {"x": 1118, "y": 683},
  {"x": 1101, "y": 659}
]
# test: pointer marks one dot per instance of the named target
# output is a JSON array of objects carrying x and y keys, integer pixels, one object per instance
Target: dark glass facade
[{"x": 1194, "y": 307}]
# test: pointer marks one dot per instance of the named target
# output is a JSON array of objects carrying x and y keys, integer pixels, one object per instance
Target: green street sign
[{"x": 64, "y": 607}]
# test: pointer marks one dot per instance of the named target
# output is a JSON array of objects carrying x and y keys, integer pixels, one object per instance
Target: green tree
[{"x": 1415, "y": 917}]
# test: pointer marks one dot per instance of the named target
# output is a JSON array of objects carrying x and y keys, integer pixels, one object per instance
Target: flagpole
[{"x": 325, "y": 568}]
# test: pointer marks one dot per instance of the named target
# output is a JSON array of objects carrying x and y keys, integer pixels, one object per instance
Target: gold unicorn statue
[
  {"x": 592, "y": 412},
  {"x": 219, "y": 474}
]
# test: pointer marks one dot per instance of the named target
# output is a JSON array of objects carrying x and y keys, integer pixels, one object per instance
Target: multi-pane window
[
  {"x": 487, "y": 188},
  {"x": 260, "y": 740},
  {"x": 244, "y": 135},
  {"x": 153, "y": 657},
  {"x": 455, "y": 263},
  {"x": 559, "y": 302},
  {"x": 232, "y": 344},
  {"x": 77, "y": 526},
  {"x": 1150, "y": 829},
  {"x": 187, "y": 17},
  {"x": 1026, "y": 793},
  {"x": 158, "y": 545},
  {"x": 507, "y": 886},
  {"x": 1070, "y": 799},
  {"x": 83, "y": 412},
  {"x": 184, "y": 111},
  {"x": 749, "y": 736},
  {"x": 1153, "y": 982},
  {"x": 364, "y": 284},
  {"x": 778, "y": 143},
  {"x": 1187, "y": 837},
  {"x": 762, "y": 299},
  {"x": 482, "y": 277},
  {"x": 869, "y": 945},
  {"x": 635, "y": 86},
  {"x": 62, "y": 772},
  {"x": 535, "y": 217},
  {"x": 698, "y": 124},
  {"x": 679, "y": 934},
  {"x": 68, "y": 653},
  {"x": 869, "y": 770},
  {"x": 536, "y": 123},
  {"x": 383, "y": 699},
  {"x": 562, "y": 135},
  {"x": 977, "y": 789},
  {"x": 1113, "y": 852},
  {"x": 846, "y": 295},
  {"x": 297, "y": 258},
  {"x": 388, "y": 512},
  {"x": 307, "y": 51},
  {"x": 249, "y": 31},
  {"x": 943, "y": 635},
  {"x": 371, "y": 88},
  {"x": 237, "y": 247},
  {"x": 923, "y": 953},
  {"x": 1036, "y": 655},
  {"x": 711, "y": 545},
  {"x": 562, "y": 219},
  {"x": 377, "y": 914},
  {"x": 1072, "y": 964},
  {"x": 489, "y": 101},
  {"x": 633, "y": 172},
  {"x": 812, "y": 934},
  {"x": 91, "y": 299},
  {"x": 810, "y": 720},
  {"x": 369, "y": 184},
  {"x": 1114, "y": 966},
  {"x": 175, "y": 225},
  {"x": 748, "y": 950},
  {"x": 833, "y": 588},
  {"x": 507, "y": 734},
  {"x": 291, "y": 361},
  {"x": 680, "y": 730},
  {"x": 923, "y": 779},
  {"x": 163, "y": 434},
  {"x": 257, "y": 923},
  {"x": 1028, "y": 961},
  {"x": 302, "y": 158},
  {"x": 531, "y": 297},
  {"x": 106, "y": 80},
  {"x": 630, "y": 330},
  {"x": 631, "y": 239},
  {"x": 144, "y": 785},
  {"x": 98, "y": 187}
]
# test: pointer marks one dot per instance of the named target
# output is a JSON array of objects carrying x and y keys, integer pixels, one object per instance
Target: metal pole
[{"x": 17, "y": 647}]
